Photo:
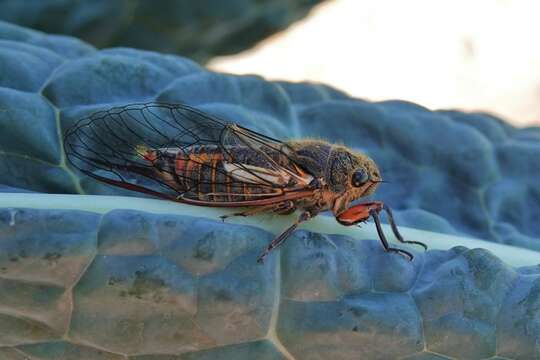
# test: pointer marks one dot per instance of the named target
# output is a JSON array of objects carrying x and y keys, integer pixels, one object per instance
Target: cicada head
[{"x": 351, "y": 175}]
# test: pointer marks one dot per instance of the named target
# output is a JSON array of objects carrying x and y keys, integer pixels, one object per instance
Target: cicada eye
[{"x": 359, "y": 178}]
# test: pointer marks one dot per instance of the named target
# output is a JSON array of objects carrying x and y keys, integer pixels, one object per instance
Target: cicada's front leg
[
  {"x": 359, "y": 213},
  {"x": 362, "y": 212}
]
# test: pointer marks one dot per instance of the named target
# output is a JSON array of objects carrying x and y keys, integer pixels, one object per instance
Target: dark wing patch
[{"x": 114, "y": 146}]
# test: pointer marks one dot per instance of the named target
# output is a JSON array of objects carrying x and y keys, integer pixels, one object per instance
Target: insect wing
[{"x": 138, "y": 146}]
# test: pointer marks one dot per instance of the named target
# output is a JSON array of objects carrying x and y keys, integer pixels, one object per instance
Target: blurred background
[{"x": 473, "y": 56}]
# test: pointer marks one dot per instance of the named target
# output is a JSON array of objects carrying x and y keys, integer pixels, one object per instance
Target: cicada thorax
[
  {"x": 330, "y": 162},
  {"x": 212, "y": 173}
]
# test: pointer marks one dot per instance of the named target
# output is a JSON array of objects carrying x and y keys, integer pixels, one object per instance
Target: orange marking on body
[
  {"x": 150, "y": 155},
  {"x": 215, "y": 158},
  {"x": 246, "y": 191},
  {"x": 199, "y": 172},
  {"x": 299, "y": 170},
  {"x": 189, "y": 168},
  {"x": 180, "y": 167},
  {"x": 200, "y": 158},
  {"x": 229, "y": 195}
]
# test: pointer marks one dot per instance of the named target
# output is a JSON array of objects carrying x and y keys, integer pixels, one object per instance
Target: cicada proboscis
[{"x": 179, "y": 153}]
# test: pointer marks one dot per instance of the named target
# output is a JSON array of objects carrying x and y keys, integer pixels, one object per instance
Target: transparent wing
[{"x": 138, "y": 147}]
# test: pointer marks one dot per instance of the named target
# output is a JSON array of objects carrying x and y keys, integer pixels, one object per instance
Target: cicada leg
[
  {"x": 395, "y": 229},
  {"x": 305, "y": 216},
  {"x": 358, "y": 213},
  {"x": 382, "y": 237},
  {"x": 362, "y": 212}
]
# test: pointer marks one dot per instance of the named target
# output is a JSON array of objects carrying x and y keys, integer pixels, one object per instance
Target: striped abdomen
[{"x": 199, "y": 172}]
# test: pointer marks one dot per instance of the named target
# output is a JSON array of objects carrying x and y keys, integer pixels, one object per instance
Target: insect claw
[
  {"x": 405, "y": 253},
  {"x": 401, "y": 252},
  {"x": 417, "y": 243}
]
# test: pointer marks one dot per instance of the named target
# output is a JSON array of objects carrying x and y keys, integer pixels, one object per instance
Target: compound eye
[{"x": 359, "y": 178}]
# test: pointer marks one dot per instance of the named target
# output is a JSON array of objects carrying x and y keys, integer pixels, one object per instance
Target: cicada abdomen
[{"x": 207, "y": 173}]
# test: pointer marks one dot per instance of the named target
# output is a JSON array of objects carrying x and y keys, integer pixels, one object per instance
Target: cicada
[{"x": 179, "y": 153}]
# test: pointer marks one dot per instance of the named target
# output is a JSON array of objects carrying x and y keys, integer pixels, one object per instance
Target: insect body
[{"x": 176, "y": 152}]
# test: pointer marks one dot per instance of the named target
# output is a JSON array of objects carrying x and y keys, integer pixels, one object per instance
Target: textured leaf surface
[{"x": 129, "y": 283}]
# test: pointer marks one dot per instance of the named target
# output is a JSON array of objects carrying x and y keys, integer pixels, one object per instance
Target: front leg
[
  {"x": 362, "y": 212},
  {"x": 358, "y": 213}
]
